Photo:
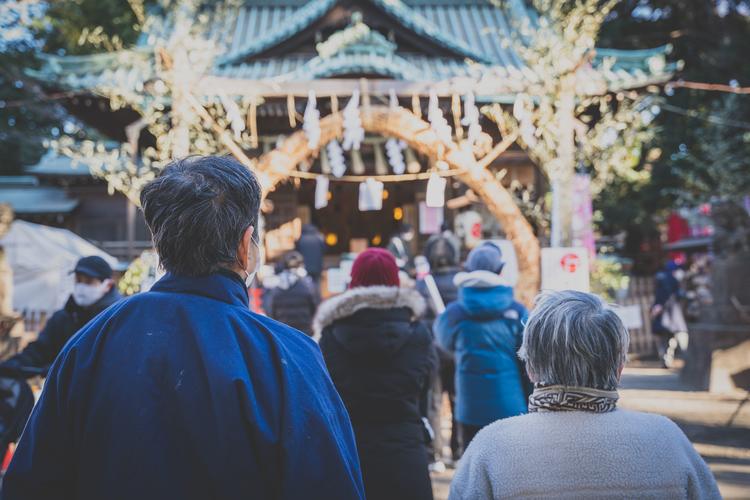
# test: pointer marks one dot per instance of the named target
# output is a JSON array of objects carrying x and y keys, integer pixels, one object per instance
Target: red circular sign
[{"x": 569, "y": 262}]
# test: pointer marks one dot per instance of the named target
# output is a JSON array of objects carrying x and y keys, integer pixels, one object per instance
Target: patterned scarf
[{"x": 561, "y": 398}]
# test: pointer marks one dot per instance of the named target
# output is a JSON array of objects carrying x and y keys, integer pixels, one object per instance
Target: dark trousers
[{"x": 467, "y": 432}]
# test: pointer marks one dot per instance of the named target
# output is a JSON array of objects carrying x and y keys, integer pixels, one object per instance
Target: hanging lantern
[
  {"x": 412, "y": 164},
  {"x": 370, "y": 195},
  {"x": 321, "y": 191},
  {"x": 381, "y": 167},
  {"x": 358, "y": 165},
  {"x": 435, "y": 197}
]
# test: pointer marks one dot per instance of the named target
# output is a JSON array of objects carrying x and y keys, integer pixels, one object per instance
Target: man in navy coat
[{"x": 182, "y": 392}]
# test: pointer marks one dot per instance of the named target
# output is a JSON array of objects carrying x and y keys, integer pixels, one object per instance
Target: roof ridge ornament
[{"x": 358, "y": 37}]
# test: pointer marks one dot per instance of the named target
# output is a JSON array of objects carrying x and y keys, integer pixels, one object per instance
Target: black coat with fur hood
[{"x": 380, "y": 359}]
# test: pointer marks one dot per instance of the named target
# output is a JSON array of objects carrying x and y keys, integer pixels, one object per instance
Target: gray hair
[
  {"x": 574, "y": 339},
  {"x": 197, "y": 211}
]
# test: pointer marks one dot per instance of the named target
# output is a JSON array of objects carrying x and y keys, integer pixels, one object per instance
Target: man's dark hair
[{"x": 198, "y": 209}]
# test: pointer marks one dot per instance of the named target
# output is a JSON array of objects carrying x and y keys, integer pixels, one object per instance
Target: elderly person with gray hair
[
  {"x": 182, "y": 391},
  {"x": 575, "y": 442}
]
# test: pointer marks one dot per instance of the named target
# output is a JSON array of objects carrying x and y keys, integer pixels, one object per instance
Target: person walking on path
[
  {"x": 667, "y": 319},
  {"x": 576, "y": 442},
  {"x": 93, "y": 292},
  {"x": 443, "y": 258},
  {"x": 381, "y": 359},
  {"x": 183, "y": 392},
  {"x": 294, "y": 297},
  {"x": 484, "y": 329},
  {"x": 312, "y": 247}
]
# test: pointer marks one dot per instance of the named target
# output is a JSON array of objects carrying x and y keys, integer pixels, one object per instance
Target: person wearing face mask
[
  {"x": 182, "y": 391},
  {"x": 93, "y": 292},
  {"x": 399, "y": 247}
]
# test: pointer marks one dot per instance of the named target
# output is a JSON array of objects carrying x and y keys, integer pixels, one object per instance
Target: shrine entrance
[{"x": 282, "y": 164}]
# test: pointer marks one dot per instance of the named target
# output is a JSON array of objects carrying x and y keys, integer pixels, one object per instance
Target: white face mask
[
  {"x": 251, "y": 274},
  {"x": 85, "y": 295}
]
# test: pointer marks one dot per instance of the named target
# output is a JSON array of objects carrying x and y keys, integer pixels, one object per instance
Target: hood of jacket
[
  {"x": 371, "y": 313},
  {"x": 483, "y": 293}
]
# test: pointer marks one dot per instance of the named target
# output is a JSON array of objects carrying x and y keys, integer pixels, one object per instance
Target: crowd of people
[{"x": 183, "y": 392}]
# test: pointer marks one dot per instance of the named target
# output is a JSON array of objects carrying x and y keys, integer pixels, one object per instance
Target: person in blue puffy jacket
[{"x": 484, "y": 329}]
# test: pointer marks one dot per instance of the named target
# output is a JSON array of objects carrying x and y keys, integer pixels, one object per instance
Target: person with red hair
[{"x": 381, "y": 358}]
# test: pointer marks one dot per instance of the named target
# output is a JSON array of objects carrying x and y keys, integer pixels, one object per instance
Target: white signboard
[
  {"x": 630, "y": 315},
  {"x": 565, "y": 269}
]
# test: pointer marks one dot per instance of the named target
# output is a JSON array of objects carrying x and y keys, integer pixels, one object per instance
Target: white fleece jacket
[{"x": 621, "y": 454}]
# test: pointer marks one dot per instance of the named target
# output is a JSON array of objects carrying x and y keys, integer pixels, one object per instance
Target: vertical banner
[
  {"x": 430, "y": 219},
  {"x": 583, "y": 214}
]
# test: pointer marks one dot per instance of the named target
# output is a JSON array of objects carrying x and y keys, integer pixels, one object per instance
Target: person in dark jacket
[
  {"x": 93, "y": 292},
  {"x": 484, "y": 328},
  {"x": 294, "y": 297},
  {"x": 380, "y": 358},
  {"x": 399, "y": 246},
  {"x": 312, "y": 247},
  {"x": 442, "y": 256},
  {"x": 182, "y": 391},
  {"x": 667, "y": 319}
]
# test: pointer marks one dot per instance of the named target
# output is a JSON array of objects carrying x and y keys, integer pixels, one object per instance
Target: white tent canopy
[{"x": 42, "y": 258}]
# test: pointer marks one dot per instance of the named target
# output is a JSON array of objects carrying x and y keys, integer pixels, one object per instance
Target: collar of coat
[
  {"x": 369, "y": 297},
  {"x": 225, "y": 286}
]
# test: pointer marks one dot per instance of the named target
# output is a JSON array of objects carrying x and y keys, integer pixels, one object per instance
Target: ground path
[{"x": 718, "y": 425}]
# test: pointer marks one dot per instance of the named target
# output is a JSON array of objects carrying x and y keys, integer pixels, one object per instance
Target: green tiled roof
[{"x": 472, "y": 29}]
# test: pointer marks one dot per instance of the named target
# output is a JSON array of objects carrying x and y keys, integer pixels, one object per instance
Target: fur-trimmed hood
[{"x": 371, "y": 297}]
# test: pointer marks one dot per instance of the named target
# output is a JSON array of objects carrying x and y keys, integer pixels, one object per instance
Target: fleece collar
[
  {"x": 369, "y": 297},
  {"x": 479, "y": 279}
]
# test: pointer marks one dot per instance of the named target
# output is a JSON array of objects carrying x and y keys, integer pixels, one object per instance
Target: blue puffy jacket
[{"x": 484, "y": 328}]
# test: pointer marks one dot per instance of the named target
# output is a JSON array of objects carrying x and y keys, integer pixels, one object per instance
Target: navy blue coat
[
  {"x": 484, "y": 328},
  {"x": 182, "y": 392}
]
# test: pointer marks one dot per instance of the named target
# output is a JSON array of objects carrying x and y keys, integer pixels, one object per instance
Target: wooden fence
[{"x": 641, "y": 294}]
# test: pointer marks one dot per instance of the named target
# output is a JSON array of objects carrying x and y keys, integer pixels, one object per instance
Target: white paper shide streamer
[
  {"x": 437, "y": 121},
  {"x": 321, "y": 191},
  {"x": 394, "y": 151},
  {"x": 471, "y": 119},
  {"x": 311, "y": 124},
  {"x": 236, "y": 123},
  {"x": 370, "y": 195},
  {"x": 354, "y": 134},
  {"x": 336, "y": 158},
  {"x": 435, "y": 196}
]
